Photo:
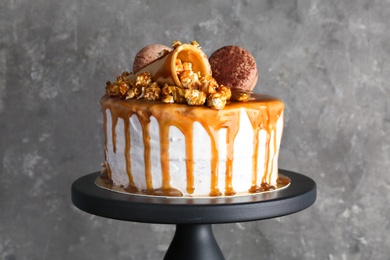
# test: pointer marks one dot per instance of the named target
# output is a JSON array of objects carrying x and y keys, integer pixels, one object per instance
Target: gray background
[{"x": 327, "y": 60}]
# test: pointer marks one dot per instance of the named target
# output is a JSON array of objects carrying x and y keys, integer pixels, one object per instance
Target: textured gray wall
[{"x": 328, "y": 60}]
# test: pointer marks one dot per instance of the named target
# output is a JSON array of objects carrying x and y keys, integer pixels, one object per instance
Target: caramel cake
[{"x": 172, "y": 130}]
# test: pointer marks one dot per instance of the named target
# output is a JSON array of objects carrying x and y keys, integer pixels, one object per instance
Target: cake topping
[
  {"x": 235, "y": 67},
  {"x": 182, "y": 75},
  {"x": 148, "y": 54}
]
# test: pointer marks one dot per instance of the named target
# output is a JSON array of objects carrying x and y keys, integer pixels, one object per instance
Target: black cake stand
[{"x": 194, "y": 238}]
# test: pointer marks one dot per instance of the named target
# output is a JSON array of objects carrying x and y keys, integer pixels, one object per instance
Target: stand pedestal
[
  {"x": 194, "y": 238},
  {"x": 194, "y": 242}
]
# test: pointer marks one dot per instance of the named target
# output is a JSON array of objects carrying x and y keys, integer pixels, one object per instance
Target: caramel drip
[
  {"x": 164, "y": 155},
  {"x": 263, "y": 113},
  {"x": 131, "y": 188},
  {"x": 105, "y": 145},
  {"x": 274, "y": 142},
  {"x": 166, "y": 188},
  {"x": 271, "y": 128},
  {"x": 231, "y": 134},
  {"x": 113, "y": 132},
  {"x": 255, "y": 188},
  {"x": 268, "y": 160},
  {"x": 259, "y": 119},
  {"x": 190, "y": 160},
  {"x": 214, "y": 135},
  {"x": 267, "y": 156},
  {"x": 264, "y": 119},
  {"x": 145, "y": 123}
]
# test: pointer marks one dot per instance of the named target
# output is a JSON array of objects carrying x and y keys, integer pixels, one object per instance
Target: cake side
[{"x": 162, "y": 149}]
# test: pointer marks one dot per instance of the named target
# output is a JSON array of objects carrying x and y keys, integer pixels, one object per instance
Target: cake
[{"x": 173, "y": 129}]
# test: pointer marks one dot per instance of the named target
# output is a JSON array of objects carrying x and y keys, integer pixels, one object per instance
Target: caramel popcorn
[
  {"x": 216, "y": 101},
  {"x": 179, "y": 95},
  {"x": 112, "y": 89},
  {"x": 143, "y": 80},
  {"x": 171, "y": 94},
  {"x": 189, "y": 79},
  {"x": 225, "y": 92},
  {"x": 138, "y": 92},
  {"x": 179, "y": 66},
  {"x": 194, "y": 97},
  {"x": 131, "y": 94},
  {"x": 187, "y": 66},
  {"x": 123, "y": 88},
  {"x": 176, "y": 44},
  {"x": 152, "y": 92},
  {"x": 168, "y": 90},
  {"x": 208, "y": 85},
  {"x": 195, "y": 90},
  {"x": 196, "y": 44},
  {"x": 167, "y": 99},
  {"x": 119, "y": 87}
]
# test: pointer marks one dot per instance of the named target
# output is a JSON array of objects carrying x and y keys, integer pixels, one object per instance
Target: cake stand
[{"x": 194, "y": 238}]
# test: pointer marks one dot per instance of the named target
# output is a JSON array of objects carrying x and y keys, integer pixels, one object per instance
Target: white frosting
[{"x": 242, "y": 164}]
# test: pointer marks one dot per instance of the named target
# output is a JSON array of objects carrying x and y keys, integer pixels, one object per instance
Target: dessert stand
[{"x": 193, "y": 217}]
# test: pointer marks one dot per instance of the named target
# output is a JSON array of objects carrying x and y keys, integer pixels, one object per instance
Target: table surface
[{"x": 299, "y": 195}]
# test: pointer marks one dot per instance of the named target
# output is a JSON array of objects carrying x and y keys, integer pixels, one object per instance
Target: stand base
[{"x": 194, "y": 242}]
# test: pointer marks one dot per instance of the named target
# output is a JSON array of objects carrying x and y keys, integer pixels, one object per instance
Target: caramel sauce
[
  {"x": 131, "y": 188},
  {"x": 263, "y": 113}
]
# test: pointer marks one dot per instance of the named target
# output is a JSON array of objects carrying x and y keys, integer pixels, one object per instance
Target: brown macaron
[
  {"x": 147, "y": 55},
  {"x": 234, "y": 67}
]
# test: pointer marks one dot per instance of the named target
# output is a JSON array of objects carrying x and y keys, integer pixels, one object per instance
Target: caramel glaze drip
[
  {"x": 263, "y": 119},
  {"x": 263, "y": 113},
  {"x": 131, "y": 188}
]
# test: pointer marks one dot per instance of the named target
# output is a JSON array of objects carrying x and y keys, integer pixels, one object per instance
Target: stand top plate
[{"x": 299, "y": 195}]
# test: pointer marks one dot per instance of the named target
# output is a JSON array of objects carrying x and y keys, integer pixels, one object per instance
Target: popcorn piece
[
  {"x": 216, "y": 101},
  {"x": 189, "y": 79},
  {"x": 187, "y": 66},
  {"x": 176, "y": 44},
  {"x": 123, "y": 88},
  {"x": 143, "y": 79},
  {"x": 168, "y": 99},
  {"x": 225, "y": 92},
  {"x": 174, "y": 93},
  {"x": 195, "y": 97},
  {"x": 179, "y": 66},
  {"x": 152, "y": 92},
  {"x": 168, "y": 90},
  {"x": 125, "y": 74},
  {"x": 196, "y": 44},
  {"x": 179, "y": 95},
  {"x": 134, "y": 92},
  {"x": 119, "y": 87},
  {"x": 130, "y": 94},
  {"x": 208, "y": 85},
  {"x": 112, "y": 89}
]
